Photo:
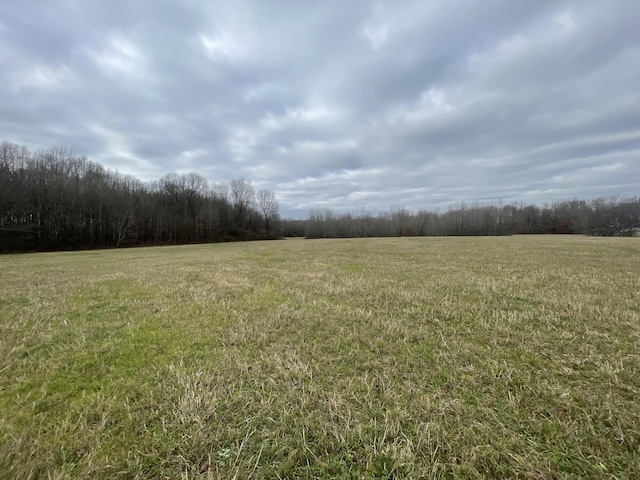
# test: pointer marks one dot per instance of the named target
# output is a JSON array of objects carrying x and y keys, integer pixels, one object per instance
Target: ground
[{"x": 373, "y": 358}]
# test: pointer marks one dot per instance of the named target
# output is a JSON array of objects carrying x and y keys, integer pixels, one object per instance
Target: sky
[{"x": 354, "y": 105}]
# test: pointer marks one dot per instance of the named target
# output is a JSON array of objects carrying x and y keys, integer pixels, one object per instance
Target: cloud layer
[{"x": 357, "y": 105}]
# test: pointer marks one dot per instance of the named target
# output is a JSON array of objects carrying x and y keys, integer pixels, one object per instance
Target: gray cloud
[{"x": 356, "y": 105}]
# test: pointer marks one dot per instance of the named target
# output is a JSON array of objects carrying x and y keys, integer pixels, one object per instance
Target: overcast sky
[{"x": 336, "y": 104}]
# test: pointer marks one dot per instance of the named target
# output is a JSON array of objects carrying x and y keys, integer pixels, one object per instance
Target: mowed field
[{"x": 371, "y": 358}]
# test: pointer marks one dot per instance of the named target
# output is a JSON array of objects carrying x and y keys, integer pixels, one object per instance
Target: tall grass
[{"x": 375, "y": 358}]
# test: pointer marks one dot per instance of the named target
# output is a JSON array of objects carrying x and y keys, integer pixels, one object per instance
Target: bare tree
[
  {"x": 422, "y": 221},
  {"x": 242, "y": 198},
  {"x": 269, "y": 207},
  {"x": 220, "y": 191},
  {"x": 399, "y": 218}
]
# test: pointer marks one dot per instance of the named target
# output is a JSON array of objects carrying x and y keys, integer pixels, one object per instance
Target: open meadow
[{"x": 484, "y": 357}]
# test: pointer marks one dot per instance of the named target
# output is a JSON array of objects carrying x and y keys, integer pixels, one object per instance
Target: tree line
[
  {"x": 52, "y": 199},
  {"x": 602, "y": 217}
]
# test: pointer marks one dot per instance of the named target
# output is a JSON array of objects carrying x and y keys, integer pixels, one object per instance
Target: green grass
[{"x": 374, "y": 358}]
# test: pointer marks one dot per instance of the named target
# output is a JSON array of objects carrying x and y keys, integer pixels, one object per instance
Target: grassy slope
[{"x": 421, "y": 357}]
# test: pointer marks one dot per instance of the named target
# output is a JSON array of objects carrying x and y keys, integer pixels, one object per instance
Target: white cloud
[
  {"x": 376, "y": 30},
  {"x": 431, "y": 104},
  {"x": 435, "y": 99},
  {"x": 119, "y": 57},
  {"x": 260, "y": 92},
  {"x": 312, "y": 113},
  {"x": 118, "y": 150},
  {"x": 376, "y": 35},
  {"x": 241, "y": 143},
  {"x": 502, "y": 52},
  {"x": 44, "y": 77},
  {"x": 222, "y": 44},
  {"x": 565, "y": 19},
  {"x": 308, "y": 146}
]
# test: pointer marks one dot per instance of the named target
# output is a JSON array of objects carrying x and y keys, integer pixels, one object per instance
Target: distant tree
[
  {"x": 52, "y": 199},
  {"x": 530, "y": 220},
  {"x": 242, "y": 198},
  {"x": 270, "y": 209},
  {"x": 399, "y": 219}
]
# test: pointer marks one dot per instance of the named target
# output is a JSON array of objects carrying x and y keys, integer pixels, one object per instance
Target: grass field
[{"x": 374, "y": 358}]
